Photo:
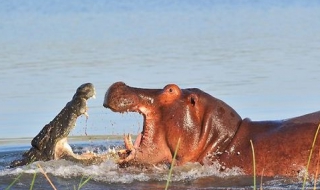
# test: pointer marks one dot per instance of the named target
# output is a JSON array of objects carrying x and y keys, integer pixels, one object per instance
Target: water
[
  {"x": 261, "y": 57},
  {"x": 66, "y": 175}
]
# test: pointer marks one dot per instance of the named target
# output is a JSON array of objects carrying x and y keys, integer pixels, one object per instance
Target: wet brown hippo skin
[
  {"x": 281, "y": 147},
  {"x": 210, "y": 130}
]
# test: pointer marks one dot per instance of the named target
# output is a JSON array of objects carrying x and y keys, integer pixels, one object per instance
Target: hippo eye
[{"x": 170, "y": 90}]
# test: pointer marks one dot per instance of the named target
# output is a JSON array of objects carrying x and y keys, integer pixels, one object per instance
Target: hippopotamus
[
  {"x": 211, "y": 131},
  {"x": 51, "y": 142}
]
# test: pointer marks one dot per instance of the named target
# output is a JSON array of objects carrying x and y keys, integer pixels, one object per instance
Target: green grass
[
  {"x": 14, "y": 181},
  {"x": 33, "y": 180},
  {"x": 254, "y": 167},
  {"x": 310, "y": 155},
  {"x": 317, "y": 170},
  {"x": 18, "y": 177},
  {"x": 80, "y": 185},
  {"x": 172, "y": 164}
]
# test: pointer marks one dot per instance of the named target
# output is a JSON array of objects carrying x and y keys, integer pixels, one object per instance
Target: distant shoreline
[{"x": 23, "y": 140}]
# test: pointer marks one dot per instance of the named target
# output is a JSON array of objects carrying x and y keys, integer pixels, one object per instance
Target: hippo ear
[{"x": 193, "y": 99}]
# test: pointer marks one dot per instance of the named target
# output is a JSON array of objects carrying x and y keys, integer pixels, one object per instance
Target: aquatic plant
[
  {"x": 14, "y": 181},
  {"x": 254, "y": 166},
  {"x": 33, "y": 180},
  {"x": 82, "y": 183},
  {"x": 310, "y": 155},
  {"x": 172, "y": 164},
  {"x": 317, "y": 171},
  {"x": 18, "y": 177},
  {"x": 46, "y": 176}
]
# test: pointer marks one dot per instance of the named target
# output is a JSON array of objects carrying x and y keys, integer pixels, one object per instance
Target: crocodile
[{"x": 52, "y": 141}]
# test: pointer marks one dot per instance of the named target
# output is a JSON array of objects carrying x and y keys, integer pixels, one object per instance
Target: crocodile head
[{"x": 51, "y": 142}]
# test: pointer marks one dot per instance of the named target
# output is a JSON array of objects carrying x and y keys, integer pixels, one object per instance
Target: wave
[
  {"x": 109, "y": 171},
  {"x": 109, "y": 174}
]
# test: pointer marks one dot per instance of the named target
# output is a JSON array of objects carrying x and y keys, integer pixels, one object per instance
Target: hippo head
[{"x": 203, "y": 123}]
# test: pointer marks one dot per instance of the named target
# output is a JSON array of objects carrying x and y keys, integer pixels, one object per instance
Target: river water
[{"x": 260, "y": 57}]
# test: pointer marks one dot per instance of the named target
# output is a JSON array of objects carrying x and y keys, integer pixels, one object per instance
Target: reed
[
  {"x": 261, "y": 179},
  {"x": 254, "y": 166},
  {"x": 172, "y": 164},
  {"x": 14, "y": 181},
  {"x": 317, "y": 172},
  {"x": 310, "y": 155},
  {"x": 82, "y": 183},
  {"x": 46, "y": 176},
  {"x": 33, "y": 180},
  {"x": 17, "y": 178}
]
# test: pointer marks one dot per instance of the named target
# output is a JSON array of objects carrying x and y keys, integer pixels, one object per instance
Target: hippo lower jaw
[
  {"x": 143, "y": 141},
  {"x": 140, "y": 136},
  {"x": 140, "y": 139}
]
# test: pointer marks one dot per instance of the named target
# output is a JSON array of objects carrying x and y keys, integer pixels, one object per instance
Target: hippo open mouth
[
  {"x": 150, "y": 145},
  {"x": 51, "y": 142},
  {"x": 121, "y": 98}
]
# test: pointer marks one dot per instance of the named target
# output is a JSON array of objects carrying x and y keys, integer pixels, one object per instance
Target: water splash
[
  {"x": 109, "y": 171},
  {"x": 109, "y": 174}
]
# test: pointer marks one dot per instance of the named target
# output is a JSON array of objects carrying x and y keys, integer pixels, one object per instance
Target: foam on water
[{"x": 110, "y": 172}]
